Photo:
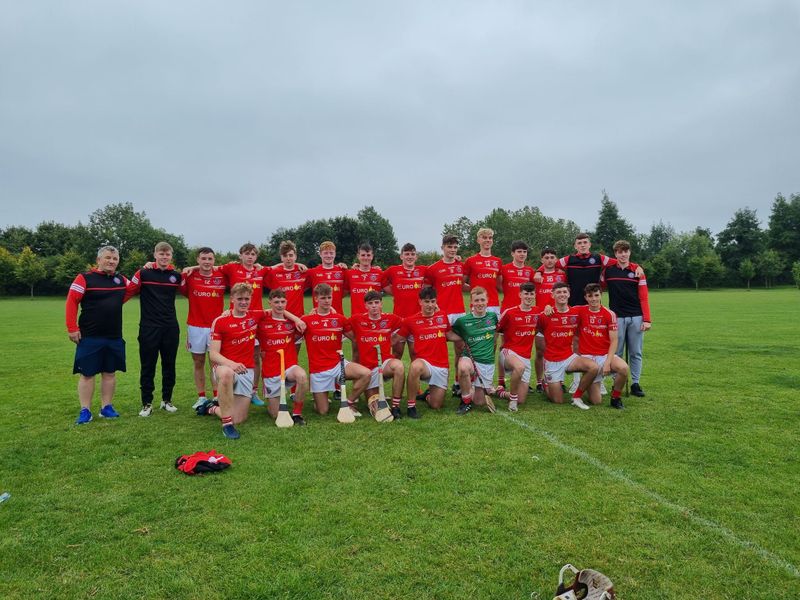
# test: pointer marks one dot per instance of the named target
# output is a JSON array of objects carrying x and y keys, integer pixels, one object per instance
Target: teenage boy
[
  {"x": 518, "y": 326},
  {"x": 559, "y": 331},
  {"x": 551, "y": 275},
  {"x": 374, "y": 328},
  {"x": 323, "y": 336},
  {"x": 627, "y": 297},
  {"x": 478, "y": 329},
  {"x": 159, "y": 334},
  {"x": 329, "y": 273},
  {"x": 431, "y": 330},
  {"x": 403, "y": 282},
  {"x": 97, "y": 334},
  {"x": 597, "y": 340},
  {"x": 205, "y": 290},
  {"x": 363, "y": 278},
  {"x": 288, "y": 277},
  {"x": 512, "y": 276},
  {"x": 483, "y": 269}
]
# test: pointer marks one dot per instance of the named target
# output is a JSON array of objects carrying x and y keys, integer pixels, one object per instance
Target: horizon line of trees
[{"x": 47, "y": 258}]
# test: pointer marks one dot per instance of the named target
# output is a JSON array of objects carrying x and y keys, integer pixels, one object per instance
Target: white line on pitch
[{"x": 689, "y": 513}]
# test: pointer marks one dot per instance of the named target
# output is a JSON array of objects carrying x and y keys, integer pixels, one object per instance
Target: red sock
[
  {"x": 227, "y": 421},
  {"x": 466, "y": 399},
  {"x": 616, "y": 394},
  {"x": 395, "y": 402},
  {"x": 412, "y": 401},
  {"x": 513, "y": 397},
  {"x": 201, "y": 394},
  {"x": 578, "y": 393},
  {"x": 297, "y": 407},
  {"x": 505, "y": 394},
  {"x": 215, "y": 393},
  {"x": 501, "y": 382}
]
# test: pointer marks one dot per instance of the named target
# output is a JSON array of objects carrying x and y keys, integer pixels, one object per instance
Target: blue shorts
[{"x": 99, "y": 355}]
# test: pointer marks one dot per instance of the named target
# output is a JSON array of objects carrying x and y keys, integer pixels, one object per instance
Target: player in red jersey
[
  {"x": 205, "y": 290},
  {"x": 447, "y": 278},
  {"x": 233, "y": 339},
  {"x": 403, "y": 282},
  {"x": 363, "y": 278},
  {"x": 374, "y": 328},
  {"x": 518, "y": 326},
  {"x": 289, "y": 277},
  {"x": 431, "y": 330},
  {"x": 277, "y": 332},
  {"x": 329, "y": 273},
  {"x": 323, "y": 336},
  {"x": 597, "y": 341},
  {"x": 551, "y": 275},
  {"x": 483, "y": 269},
  {"x": 559, "y": 330}
]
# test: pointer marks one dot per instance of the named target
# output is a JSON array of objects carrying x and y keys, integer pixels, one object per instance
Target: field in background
[{"x": 690, "y": 492}]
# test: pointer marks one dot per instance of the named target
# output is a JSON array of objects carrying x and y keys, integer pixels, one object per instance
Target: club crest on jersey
[
  {"x": 439, "y": 320},
  {"x": 337, "y": 275},
  {"x": 373, "y": 277},
  {"x": 488, "y": 321},
  {"x": 573, "y": 320},
  {"x": 334, "y": 322},
  {"x": 384, "y": 323},
  {"x": 591, "y": 261},
  {"x": 416, "y": 273},
  {"x": 631, "y": 275},
  {"x": 251, "y": 322},
  {"x": 117, "y": 280},
  {"x": 172, "y": 279}
]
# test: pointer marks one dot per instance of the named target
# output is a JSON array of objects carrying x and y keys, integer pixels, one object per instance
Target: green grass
[{"x": 691, "y": 492}]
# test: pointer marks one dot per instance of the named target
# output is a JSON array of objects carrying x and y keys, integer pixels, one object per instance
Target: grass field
[{"x": 691, "y": 492}]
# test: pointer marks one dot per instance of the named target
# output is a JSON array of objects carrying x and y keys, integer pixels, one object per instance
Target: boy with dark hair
[{"x": 403, "y": 282}]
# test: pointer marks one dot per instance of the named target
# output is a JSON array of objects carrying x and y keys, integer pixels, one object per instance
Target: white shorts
[
  {"x": 454, "y": 317},
  {"x": 494, "y": 309},
  {"x": 439, "y": 376},
  {"x": 242, "y": 383},
  {"x": 554, "y": 371},
  {"x": 526, "y": 374},
  {"x": 272, "y": 385},
  {"x": 198, "y": 339},
  {"x": 325, "y": 381},
  {"x": 600, "y": 359},
  {"x": 486, "y": 374},
  {"x": 373, "y": 380}
]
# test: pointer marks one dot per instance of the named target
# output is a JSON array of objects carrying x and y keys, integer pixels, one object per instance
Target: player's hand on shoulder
[
  {"x": 302, "y": 267},
  {"x": 300, "y": 326},
  {"x": 151, "y": 264},
  {"x": 548, "y": 310}
]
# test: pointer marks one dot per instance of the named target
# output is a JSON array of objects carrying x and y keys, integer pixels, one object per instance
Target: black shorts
[{"x": 99, "y": 355}]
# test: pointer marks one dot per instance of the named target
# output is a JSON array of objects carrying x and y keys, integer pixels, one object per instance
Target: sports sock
[
  {"x": 466, "y": 399},
  {"x": 505, "y": 394},
  {"x": 227, "y": 421},
  {"x": 513, "y": 397},
  {"x": 501, "y": 381},
  {"x": 616, "y": 394},
  {"x": 215, "y": 393},
  {"x": 395, "y": 402},
  {"x": 412, "y": 401},
  {"x": 297, "y": 407},
  {"x": 578, "y": 393},
  {"x": 201, "y": 395}
]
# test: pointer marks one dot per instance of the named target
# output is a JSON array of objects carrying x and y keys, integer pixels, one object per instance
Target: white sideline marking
[{"x": 688, "y": 513}]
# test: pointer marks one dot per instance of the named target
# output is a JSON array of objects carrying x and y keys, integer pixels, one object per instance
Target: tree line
[{"x": 47, "y": 258}]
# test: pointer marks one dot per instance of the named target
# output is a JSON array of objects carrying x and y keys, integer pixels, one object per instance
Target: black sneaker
[
  {"x": 299, "y": 420},
  {"x": 456, "y": 390},
  {"x": 463, "y": 408},
  {"x": 202, "y": 410},
  {"x": 230, "y": 432},
  {"x": 617, "y": 403},
  {"x": 637, "y": 391},
  {"x": 396, "y": 413},
  {"x": 540, "y": 388},
  {"x": 412, "y": 412},
  {"x": 423, "y": 396}
]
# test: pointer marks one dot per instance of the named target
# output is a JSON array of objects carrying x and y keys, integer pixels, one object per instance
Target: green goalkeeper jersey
[{"x": 478, "y": 332}]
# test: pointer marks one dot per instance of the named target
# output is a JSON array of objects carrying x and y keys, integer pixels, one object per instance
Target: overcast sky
[{"x": 226, "y": 120}]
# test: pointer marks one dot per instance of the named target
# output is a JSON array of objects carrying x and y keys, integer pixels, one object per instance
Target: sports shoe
[
  {"x": 356, "y": 414},
  {"x": 299, "y": 420},
  {"x": 423, "y": 396},
  {"x": 202, "y": 410},
  {"x": 579, "y": 403},
  {"x": 463, "y": 408},
  {"x": 539, "y": 388},
  {"x": 512, "y": 406},
  {"x": 108, "y": 412},
  {"x": 199, "y": 403},
  {"x": 396, "y": 413},
  {"x": 617, "y": 403},
  {"x": 169, "y": 407},
  {"x": 146, "y": 411},
  {"x": 230, "y": 432},
  {"x": 412, "y": 412},
  {"x": 456, "y": 390},
  {"x": 84, "y": 417},
  {"x": 256, "y": 401},
  {"x": 637, "y": 391}
]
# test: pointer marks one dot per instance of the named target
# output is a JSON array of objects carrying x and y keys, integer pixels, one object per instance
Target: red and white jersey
[
  {"x": 559, "y": 330},
  {"x": 359, "y": 283},
  {"x": 238, "y": 336},
  {"x": 519, "y": 329},
  {"x": 334, "y": 277},
  {"x": 273, "y": 335},
  {"x": 544, "y": 290},
  {"x": 513, "y": 278},
  {"x": 406, "y": 284},
  {"x": 448, "y": 280},
  {"x": 593, "y": 328},
  {"x": 206, "y": 296},
  {"x": 430, "y": 337},
  {"x": 323, "y": 337},
  {"x": 373, "y": 332},
  {"x": 236, "y": 273},
  {"x": 293, "y": 284},
  {"x": 483, "y": 271}
]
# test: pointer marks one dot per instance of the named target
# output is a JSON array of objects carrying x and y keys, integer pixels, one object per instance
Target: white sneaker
[
  {"x": 579, "y": 403},
  {"x": 355, "y": 412},
  {"x": 146, "y": 411},
  {"x": 512, "y": 406},
  {"x": 169, "y": 407},
  {"x": 200, "y": 400}
]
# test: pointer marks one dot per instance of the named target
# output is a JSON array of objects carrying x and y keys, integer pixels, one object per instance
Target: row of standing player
[{"x": 205, "y": 285}]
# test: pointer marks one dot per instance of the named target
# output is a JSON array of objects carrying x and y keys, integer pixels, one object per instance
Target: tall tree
[
  {"x": 15, "y": 238},
  {"x": 742, "y": 238},
  {"x": 796, "y": 273},
  {"x": 783, "y": 234},
  {"x": 376, "y": 229},
  {"x": 611, "y": 227},
  {"x": 769, "y": 265},
  {"x": 8, "y": 266},
  {"x": 660, "y": 235},
  {"x": 747, "y": 270},
  {"x": 30, "y": 268},
  {"x": 69, "y": 265}
]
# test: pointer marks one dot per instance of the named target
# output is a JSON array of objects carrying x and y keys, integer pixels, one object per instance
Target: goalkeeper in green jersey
[{"x": 478, "y": 329}]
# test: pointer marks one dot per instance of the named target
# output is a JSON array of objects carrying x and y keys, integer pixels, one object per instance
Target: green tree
[
  {"x": 135, "y": 260},
  {"x": 706, "y": 269},
  {"x": 769, "y": 265},
  {"x": 747, "y": 270},
  {"x": 660, "y": 235},
  {"x": 742, "y": 238},
  {"x": 783, "y": 234},
  {"x": 428, "y": 257},
  {"x": 796, "y": 273},
  {"x": 15, "y": 238},
  {"x": 658, "y": 270},
  {"x": 30, "y": 268},
  {"x": 8, "y": 267},
  {"x": 611, "y": 227},
  {"x": 69, "y": 265},
  {"x": 376, "y": 229}
]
